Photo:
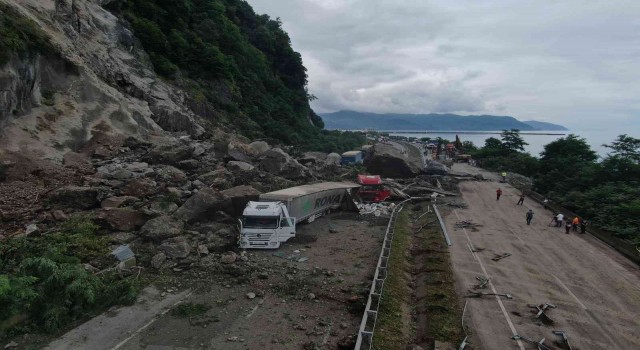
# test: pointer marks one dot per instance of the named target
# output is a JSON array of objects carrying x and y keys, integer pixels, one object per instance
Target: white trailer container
[{"x": 271, "y": 221}]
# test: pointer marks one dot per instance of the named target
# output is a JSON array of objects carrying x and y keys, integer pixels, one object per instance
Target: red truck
[{"x": 372, "y": 189}]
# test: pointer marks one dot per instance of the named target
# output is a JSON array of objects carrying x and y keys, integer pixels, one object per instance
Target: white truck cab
[
  {"x": 266, "y": 225},
  {"x": 272, "y": 221}
]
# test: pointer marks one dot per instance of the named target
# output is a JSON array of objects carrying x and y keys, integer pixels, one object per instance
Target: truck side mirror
[{"x": 239, "y": 225}]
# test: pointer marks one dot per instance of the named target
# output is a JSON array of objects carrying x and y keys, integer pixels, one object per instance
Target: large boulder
[
  {"x": 219, "y": 178},
  {"x": 120, "y": 219},
  {"x": 390, "y": 160},
  {"x": 240, "y": 151},
  {"x": 204, "y": 204},
  {"x": 141, "y": 187},
  {"x": 259, "y": 147},
  {"x": 170, "y": 154},
  {"x": 333, "y": 159},
  {"x": 175, "y": 248},
  {"x": 240, "y": 196},
  {"x": 278, "y": 162},
  {"x": 76, "y": 197},
  {"x": 312, "y": 158},
  {"x": 436, "y": 168},
  {"x": 170, "y": 175},
  {"x": 116, "y": 202},
  {"x": 236, "y": 166},
  {"x": 161, "y": 228}
]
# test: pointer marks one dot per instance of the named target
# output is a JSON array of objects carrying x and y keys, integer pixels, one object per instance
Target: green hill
[
  {"x": 351, "y": 120},
  {"x": 238, "y": 67}
]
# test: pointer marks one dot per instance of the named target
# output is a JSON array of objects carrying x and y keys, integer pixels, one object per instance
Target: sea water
[{"x": 536, "y": 142}]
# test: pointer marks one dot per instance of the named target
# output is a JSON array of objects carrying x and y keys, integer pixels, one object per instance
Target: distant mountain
[
  {"x": 545, "y": 125},
  {"x": 351, "y": 120}
]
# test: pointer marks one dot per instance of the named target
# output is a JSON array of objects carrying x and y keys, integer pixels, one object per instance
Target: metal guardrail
[
  {"x": 442, "y": 226},
  {"x": 370, "y": 316}
]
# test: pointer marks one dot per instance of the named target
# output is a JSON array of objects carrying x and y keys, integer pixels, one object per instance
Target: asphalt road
[{"x": 596, "y": 290}]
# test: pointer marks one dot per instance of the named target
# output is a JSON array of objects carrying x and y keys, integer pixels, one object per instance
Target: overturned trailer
[{"x": 271, "y": 221}]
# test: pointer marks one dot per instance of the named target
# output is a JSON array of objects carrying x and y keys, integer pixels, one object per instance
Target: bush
[{"x": 44, "y": 283}]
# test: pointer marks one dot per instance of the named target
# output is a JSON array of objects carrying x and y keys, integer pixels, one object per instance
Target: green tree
[
  {"x": 512, "y": 141},
  {"x": 626, "y": 147},
  {"x": 566, "y": 164}
]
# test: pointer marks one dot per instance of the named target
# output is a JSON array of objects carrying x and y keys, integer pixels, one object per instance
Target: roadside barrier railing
[{"x": 370, "y": 316}]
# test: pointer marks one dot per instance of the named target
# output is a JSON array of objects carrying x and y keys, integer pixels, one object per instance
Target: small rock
[
  {"x": 354, "y": 299},
  {"x": 11, "y": 345},
  {"x": 311, "y": 296},
  {"x": 158, "y": 260},
  {"x": 251, "y": 295},
  {"x": 343, "y": 325},
  {"x": 229, "y": 258},
  {"x": 263, "y": 275},
  {"x": 31, "y": 229},
  {"x": 233, "y": 339},
  {"x": 59, "y": 215},
  {"x": 203, "y": 250}
]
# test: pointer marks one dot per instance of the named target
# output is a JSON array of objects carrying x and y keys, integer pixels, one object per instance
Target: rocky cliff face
[{"x": 97, "y": 82}]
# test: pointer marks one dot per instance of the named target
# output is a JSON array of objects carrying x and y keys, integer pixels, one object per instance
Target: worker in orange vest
[{"x": 575, "y": 223}]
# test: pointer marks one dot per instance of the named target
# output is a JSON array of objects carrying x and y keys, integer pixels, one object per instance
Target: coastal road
[{"x": 595, "y": 289}]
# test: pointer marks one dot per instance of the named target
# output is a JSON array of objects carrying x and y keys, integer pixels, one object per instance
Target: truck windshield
[{"x": 260, "y": 222}]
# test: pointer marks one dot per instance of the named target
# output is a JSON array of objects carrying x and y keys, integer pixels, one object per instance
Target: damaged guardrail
[{"x": 368, "y": 323}]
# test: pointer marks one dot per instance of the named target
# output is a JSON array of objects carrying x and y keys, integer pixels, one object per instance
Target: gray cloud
[{"x": 573, "y": 62}]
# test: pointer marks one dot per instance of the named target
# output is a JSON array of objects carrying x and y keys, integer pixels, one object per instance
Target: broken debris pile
[
  {"x": 467, "y": 224},
  {"x": 376, "y": 209}
]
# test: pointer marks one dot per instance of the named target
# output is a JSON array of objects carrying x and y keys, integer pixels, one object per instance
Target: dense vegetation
[
  {"x": 44, "y": 284},
  {"x": 568, "y": 172},
  {"x": 235, "y": 62},
  {"x": 19, "y": 35}
]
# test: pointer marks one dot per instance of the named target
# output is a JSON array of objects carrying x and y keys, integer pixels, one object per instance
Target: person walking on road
[
  {"x": 498, "y": 193},
  {"x": 521, "y": 200},
  {"x": 504, "y": 176},
  {"x": 545, "y": 202},
  {"x": 567, "y": 227},
  {"x": 529, "y": 216},
  {"x": 575, "y": 223},
  {"x": 583, "y": 226},
  {"x": 559, "y": 219}
]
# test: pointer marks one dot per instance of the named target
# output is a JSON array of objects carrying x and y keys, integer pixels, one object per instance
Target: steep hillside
[
  {"x": 70, "y": 71},
  {"x": 351, "y": 120},
  {"x": 73, "y": 73},
  {"x": 238, "y": 67}
]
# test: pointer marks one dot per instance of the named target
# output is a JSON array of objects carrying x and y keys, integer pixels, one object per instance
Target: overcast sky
[{"x": 573, "y": 62}]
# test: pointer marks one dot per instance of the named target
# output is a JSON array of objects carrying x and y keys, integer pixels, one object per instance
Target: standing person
[
  {"x": 545, "y": 202},
  {"x": 559, "y": 219},
  {"x": 554, "y": 220},
  {"x": 521, "y": 200},
  {"x": 567, "y": 227},
  {"x": 529, "y": 216},
  {"x": 583, "y": 226},
  {"x": 498, "y": 193},
  {"x": 575, "y": 223},
  {"x": 504, "y": 176}
]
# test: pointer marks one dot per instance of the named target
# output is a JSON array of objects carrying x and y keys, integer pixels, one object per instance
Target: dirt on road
[
  {"x": 595, "y": 290},
  {"x": 309, "y": 294}
]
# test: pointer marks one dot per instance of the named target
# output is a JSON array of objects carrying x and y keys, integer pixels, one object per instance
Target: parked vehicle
[
  {"x": 271, "y": 221},
  {"x": 372, "y": 189}
]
